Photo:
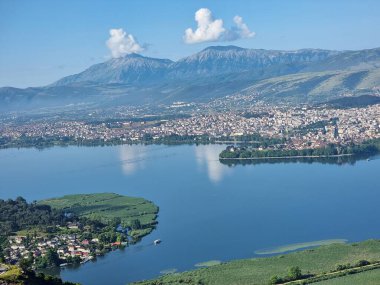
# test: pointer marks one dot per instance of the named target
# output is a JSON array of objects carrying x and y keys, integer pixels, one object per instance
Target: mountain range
[{"x": 300, "y": 76}]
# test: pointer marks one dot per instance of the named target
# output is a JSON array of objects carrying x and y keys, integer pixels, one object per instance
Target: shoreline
[
  {"x": 287, "y": 157},
  {"x": 339, "y": 260}
]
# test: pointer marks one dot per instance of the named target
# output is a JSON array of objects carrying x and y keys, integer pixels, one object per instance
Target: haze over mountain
[{"x": 306, "y": 75}]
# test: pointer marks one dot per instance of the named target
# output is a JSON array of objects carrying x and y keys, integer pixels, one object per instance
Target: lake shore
[
  {"x": 325, "y": 262},
  {"x": 287, "y": 157}
]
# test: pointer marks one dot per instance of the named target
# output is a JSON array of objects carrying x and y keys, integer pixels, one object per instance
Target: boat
[{"x": 157, "y": 241}]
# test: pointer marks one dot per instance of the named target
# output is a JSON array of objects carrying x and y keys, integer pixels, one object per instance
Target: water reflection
[
  {"x": 132, "y": 158},
  {"x": 208, "y": 155}
]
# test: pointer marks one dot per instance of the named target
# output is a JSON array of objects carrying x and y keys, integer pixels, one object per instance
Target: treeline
[
  {"x": 252, "y": 139},
  {"x": 296, "y": 277},
  {"x": 45, "y": 142},
  {"x": 17, "y": 215},
  {"x": 367, "y": 148}
]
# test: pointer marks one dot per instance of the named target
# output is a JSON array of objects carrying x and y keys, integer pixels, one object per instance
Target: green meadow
[
  {"x": 259, "y": 271},
  {"x": 107, "y": 206},
  {"x": 364, "y": 278}
]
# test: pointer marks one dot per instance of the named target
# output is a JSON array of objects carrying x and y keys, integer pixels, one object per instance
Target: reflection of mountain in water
[{"x": 341, "y": 160}]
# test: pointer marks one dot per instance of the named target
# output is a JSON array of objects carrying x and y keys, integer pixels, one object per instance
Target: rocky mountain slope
[{"x": 306, "y": 75}]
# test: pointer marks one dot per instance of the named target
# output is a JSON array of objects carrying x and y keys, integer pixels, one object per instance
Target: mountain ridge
[{"x": 214, "y": 72}]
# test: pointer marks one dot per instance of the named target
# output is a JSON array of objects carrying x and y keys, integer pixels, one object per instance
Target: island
[
  {"x": 366, "y": 148},
  {"x": 72, "y": 229}
]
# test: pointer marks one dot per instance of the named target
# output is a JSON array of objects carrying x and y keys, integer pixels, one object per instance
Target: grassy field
[
  {"x": 365, "y": 278},
  {"x": 259, "y": 270},
  {"x": 106, "y": 206}
]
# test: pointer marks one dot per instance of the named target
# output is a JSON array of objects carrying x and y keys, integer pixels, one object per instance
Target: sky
[{"x": 42, "y": 40}]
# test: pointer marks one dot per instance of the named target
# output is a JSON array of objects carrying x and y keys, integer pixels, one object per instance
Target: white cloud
[
  {"x": 210, "y": 30},
  {"x": 121, "y": 43},
  {"x": 242, "y": 28}
]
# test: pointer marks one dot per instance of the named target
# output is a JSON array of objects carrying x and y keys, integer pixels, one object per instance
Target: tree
[
  {"x": 25, "y": 263},
  {"x": 135, "y": 224},
  {"x": 275, "y": 280},
  {"x": 362, "y": 263},
  {"x": 52, "y": 257},
  {"x": 294, "y": 273}
]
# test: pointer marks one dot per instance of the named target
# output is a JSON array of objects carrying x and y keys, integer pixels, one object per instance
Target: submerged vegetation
[
  {"x": 312, "y": 265},
  {"x": 296, "y": 246}
]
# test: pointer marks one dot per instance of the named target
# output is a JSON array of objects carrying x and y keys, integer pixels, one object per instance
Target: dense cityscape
[{"x": 310, "y": 127}]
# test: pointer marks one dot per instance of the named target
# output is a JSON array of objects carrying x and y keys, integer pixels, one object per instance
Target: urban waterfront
[{"x": 208, "y": 210}]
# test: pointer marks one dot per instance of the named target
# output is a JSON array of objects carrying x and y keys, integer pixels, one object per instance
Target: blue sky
[{"x": 43, "y": 40}]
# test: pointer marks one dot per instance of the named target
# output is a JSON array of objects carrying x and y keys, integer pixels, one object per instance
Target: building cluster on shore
[
  {"x": 68, "y": 243},
  {"x": 67, "y": 246},
  {"x": 309, "y": 127}
]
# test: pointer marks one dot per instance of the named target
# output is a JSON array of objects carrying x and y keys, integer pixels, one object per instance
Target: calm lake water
[{"x": 208, "y": 211}]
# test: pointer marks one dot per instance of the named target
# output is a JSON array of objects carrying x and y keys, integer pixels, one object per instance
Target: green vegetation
[
  {"x": 17, "y": 276},
  {"x": 110, "y": 208},
  {"x": 354, "y": 102},
  {"x": 79, "y": 226},
  {"x": 296, "y": 246},
  {"x": 316, "y": 127},
  {"x": 208, "y": 263},
  {"x": 364, "y": 278},
  {"x": 16, "y": 215},
  {"x": 174, "y": 139},
  {"x": 312, "y": 262},
  {"x": 169, "y": 271},
  {"x": 12, "y": 274},
  {"x": 370, "y": 147}
]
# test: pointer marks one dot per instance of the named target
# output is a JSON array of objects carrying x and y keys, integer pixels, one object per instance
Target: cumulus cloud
[
  {"x": 121, "y": 43},
  {"x": 212, "y": 30},
  {"x": 208, "y": 28},
  {"x": 242, "y": 28}
]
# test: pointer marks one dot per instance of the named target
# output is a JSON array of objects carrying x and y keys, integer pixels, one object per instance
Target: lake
[{"x": 208, "y": 210}]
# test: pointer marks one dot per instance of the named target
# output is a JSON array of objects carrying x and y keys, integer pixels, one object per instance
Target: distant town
[{"x": 300, "y": 127}]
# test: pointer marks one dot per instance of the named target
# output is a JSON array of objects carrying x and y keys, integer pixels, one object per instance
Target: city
[{"x": 302, "y": 127}]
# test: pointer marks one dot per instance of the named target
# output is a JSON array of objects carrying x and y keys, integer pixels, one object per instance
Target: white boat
[{"x": 157, "y": 241}]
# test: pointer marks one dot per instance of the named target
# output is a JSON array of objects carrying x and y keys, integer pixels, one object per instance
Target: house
[
  {"x": 72, "y": 226},
  {"x": 231, "y": 148}
]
